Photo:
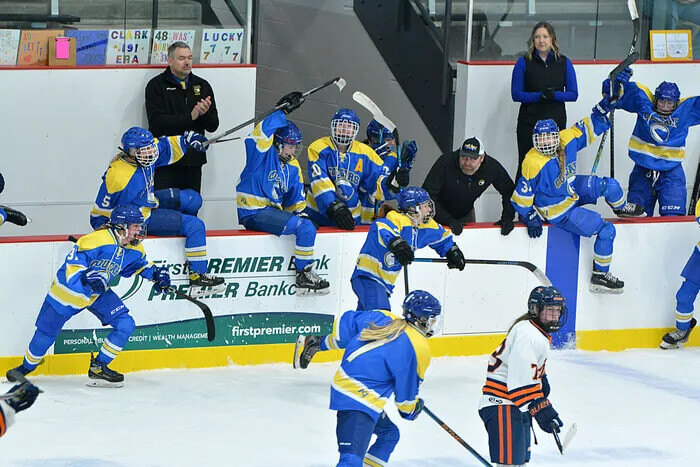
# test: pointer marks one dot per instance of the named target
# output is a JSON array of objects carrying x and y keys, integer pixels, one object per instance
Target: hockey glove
[
  {"x": 416, "y": 411},
  {"x": 291, "y": 102},
  {"x": 455, "y": 258},
  {"x": 604, "y": 106},
  {"x": 624, "y": 76},
  {"x": 13, "y": 216},
  {"x": 547, "y": 95},
  {"x": 534, "y": 224},
  {"x": 341, "y": 215},
  {"x": 96, "y": 280},
  {"x": 617, "y": 92},
  {"x": 409, "y": 151},
  {"x": 161, "y": 279},
  {"x": 545, "y": 415},
  {"x": 403, "y": 177},
  {"x": 382, "y": 150},
  {"x": 194, "y": 140},
  {"x": 401, "y": 250},
  {"x": 2, "y": 183},
  {"x": 507, "y": 226},
  {"x": 25, "y": 395},
  {"x": 545, "y": 386},
  {"x": 456, "y": 226},
  {"x": 304, "y": 215}
]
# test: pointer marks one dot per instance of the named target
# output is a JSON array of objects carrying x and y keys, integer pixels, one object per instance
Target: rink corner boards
[{"x": 207, "y": 357}]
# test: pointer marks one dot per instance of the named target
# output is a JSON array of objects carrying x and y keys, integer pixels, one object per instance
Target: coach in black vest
[{"x": 542, "y": 81}]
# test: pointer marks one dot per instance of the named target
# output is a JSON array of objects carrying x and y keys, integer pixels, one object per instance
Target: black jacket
[
  {"x": 538, "y": 77},
  {"x": 454, "y": 192},
  {"x": 169, "y": 110}
]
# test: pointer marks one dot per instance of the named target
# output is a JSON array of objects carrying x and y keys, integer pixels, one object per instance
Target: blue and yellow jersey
[
  {"x": 96, "y": 251},
  {"x": 657, "y": 142},
  {"x": 265, "y": 181},
  {"x": 336, "y": 176},
  {"x": 126, "y": 182},
  {"x": 542, "y": 185},
  {"x": 371, "y": 371},
  {"x": 378, "y": 263},
  {"x": 351, "y": 323},
  {"x": 368, "y": 204}
]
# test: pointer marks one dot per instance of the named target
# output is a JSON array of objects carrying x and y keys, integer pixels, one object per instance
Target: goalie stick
[
  {"x": 374, "y": 109},
  {"x": 208, "y": 316},
  {"x": 338, "y": 81},
  {"x": 542, "y": 277}
]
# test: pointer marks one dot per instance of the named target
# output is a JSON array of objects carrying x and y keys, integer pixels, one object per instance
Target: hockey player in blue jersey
[
  {"x": 387, "y": 356},
  {"x": 395, "y": 160},
  {"x": 270, "y": 194},
  {"x": 339, "y": 168},
  {"x": 657, "y": 144},
  {"x": 19, "y": 397},
  {"x": 7, "y": 214},
  {"x": 550, "y": 187},
  {"x": 82, "y": 282},
  {"x": 168, "y": 212},
  {"x": 685, "y": 298}
]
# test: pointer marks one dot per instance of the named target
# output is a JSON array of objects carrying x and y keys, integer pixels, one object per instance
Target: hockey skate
[
  {"x": 101, "y": 376},
  {"x": 205, "y": 284},
  {"x": 17, "y": 374},
  {"x": 14, "y": 216},
  {"x": 305, "y": 349},
  {"x": 630, "y": 210},
  {"x": 604, "y": 282},
  {"x": 676, "y": 339},
  {"x": 309, "y": 283}
]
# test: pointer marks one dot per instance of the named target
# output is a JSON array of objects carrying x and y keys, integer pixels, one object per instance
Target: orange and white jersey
[
  {"x": 7, "y": 417},
  {"x": 516, "y": 367}
]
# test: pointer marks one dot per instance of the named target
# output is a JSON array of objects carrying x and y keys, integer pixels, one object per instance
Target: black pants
[{"x": 182, "y": 177}]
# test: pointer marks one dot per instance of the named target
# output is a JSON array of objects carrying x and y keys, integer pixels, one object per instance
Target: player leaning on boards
[
  {"x": 83, "y": 282},
  {"x": 550, "y": 187},
  {"x": 169, "y": 212},
  {"x": 516, "y": 386},
  {"x": 270, "y": 194},
  {"x": 657, "y": 144},
  {"x": 19, "y": 397},
  {"x": 339, "y": 167},
  {"x": 385, "y": 355},
  {"x": 8, "y": 214},
  {"x": 685, "y": 298}
]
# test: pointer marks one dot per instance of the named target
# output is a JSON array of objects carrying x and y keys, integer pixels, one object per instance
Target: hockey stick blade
[
  {"x": 542, "y": 277},
  {"x": 573, "y": 429},
  {"x": 376, "y": 112},
  {"x": 208, "y": 317},
  {"x": 458, "y": 438},
  {"x": 22, "y": 380},
  {"x": 629, "y": 60}
]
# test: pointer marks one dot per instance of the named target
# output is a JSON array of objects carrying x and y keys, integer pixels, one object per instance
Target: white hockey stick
[
  {"x": 376, "y": 112},
  {"x": 573, "y": 429}
]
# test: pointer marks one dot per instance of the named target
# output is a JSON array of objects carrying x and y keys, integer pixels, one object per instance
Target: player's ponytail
[
  {"x": 389, "y": 331},
  {"x": 523, "y": 317},
  {"x": 561, "y": 159},
  {"x": 385, "y": 209}
]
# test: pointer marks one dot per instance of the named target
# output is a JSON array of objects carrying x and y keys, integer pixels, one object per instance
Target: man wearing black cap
[{"x": 458, "y": 178}]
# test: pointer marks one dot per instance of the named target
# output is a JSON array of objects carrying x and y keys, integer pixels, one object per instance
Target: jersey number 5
[{"x": 496, "y": 362}]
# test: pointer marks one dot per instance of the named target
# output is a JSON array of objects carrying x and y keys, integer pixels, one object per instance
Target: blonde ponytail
[{"x": 389, "y": 331}]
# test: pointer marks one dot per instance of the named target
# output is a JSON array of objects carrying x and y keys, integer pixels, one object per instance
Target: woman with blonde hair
[{"x": 543, "y": 80}]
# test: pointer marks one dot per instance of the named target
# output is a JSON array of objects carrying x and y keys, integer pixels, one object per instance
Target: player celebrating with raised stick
[
  {"x": 516, "y": 380},
  {"x": 83, "y": 282},
  {"x": 271, "y": 194},
  {"x": 550, "y": 187}
]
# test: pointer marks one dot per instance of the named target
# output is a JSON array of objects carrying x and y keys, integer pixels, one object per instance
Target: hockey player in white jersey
[{"x": 516, "y": 388}]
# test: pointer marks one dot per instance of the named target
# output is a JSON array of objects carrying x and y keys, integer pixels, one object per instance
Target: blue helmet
[
  {"x": 545, "y": 137},
  {"x": 422, "y": 310},
  {"x": 291, "y": 136},
  {"x": 410, "y": 199},
  {"x": 139, "y": 143},
  {"x": 542, "y": 296},
  {"x": 378, "y": 133},
  {"x": 344, "y": 126},
  {"x": 669, "y": 92},
  {"x": 122, "y": 217}
]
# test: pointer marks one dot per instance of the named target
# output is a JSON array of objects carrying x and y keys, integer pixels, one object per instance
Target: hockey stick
[
  {"x": 573, "y": 429},
  {"x": 555, "y": 433},
  {"x": 22, "y": 381},
  {"x": 405, "y": 279},
  {"x": 695, "y": 193},
  {"x": 456, "y": 436},
  {"x": 338, "y": 81},
  {"x": 633, "y": 57},
  {"x": 497, "y": 262},
  {"x": 208, "y": 317},
  {"x": 376, "y": 112}
]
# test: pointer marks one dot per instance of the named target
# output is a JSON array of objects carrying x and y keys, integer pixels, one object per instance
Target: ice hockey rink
[{"x": 632, "y": 408}]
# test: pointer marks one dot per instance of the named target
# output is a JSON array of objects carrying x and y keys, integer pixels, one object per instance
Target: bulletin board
[{"x": 670, "y": 45}]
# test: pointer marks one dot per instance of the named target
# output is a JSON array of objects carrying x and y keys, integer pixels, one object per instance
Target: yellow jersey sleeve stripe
[{"x": 420, "y": 345}]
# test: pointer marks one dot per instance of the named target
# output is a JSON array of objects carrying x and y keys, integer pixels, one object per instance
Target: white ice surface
[{"x": 633, "y": 408}]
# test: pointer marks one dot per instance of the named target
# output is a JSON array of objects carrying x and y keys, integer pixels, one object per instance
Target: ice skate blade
[
  {"x": 203, "y": 292},
  {"x": 298, "y": 349},
  {"x": 304, "y": 292},
  {"x": 101, "y": 383},
  {"x": 604, "y": 290},
  {"x": 667, "y": 346}
]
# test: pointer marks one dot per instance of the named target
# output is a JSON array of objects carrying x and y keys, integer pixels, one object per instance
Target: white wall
[
  {"x": 62, "y": 127},
  {"x": 484, "y": 108}
]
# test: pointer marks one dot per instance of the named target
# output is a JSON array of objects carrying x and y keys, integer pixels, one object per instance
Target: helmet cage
[
  {"x": 145, "y": 155},
  {"x": 343, "y": 131},
  {"x": 122, "y": 232},
  {"x": 546, "y": 143}
]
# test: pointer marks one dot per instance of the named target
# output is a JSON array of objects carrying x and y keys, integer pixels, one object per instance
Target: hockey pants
[
  {"x": 354, "y": 431},
  {"x": 646, "y": 187}
]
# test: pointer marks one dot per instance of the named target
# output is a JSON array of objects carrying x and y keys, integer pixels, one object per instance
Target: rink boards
[{"x": 259, "y": 315}]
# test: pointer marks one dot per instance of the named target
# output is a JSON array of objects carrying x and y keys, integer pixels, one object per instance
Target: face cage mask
[
  {"x": 339, "y": 130},
  {"x": 415, "y": 213},
  {"x": 146, "y": 155},
  {"x": 121, "y": 231},
  {"x": 552, "y": 326},
  {"x": 429, "y": 326},
  {"x": 546, "y": 143},
  {"x": 288, "y": 155}
]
